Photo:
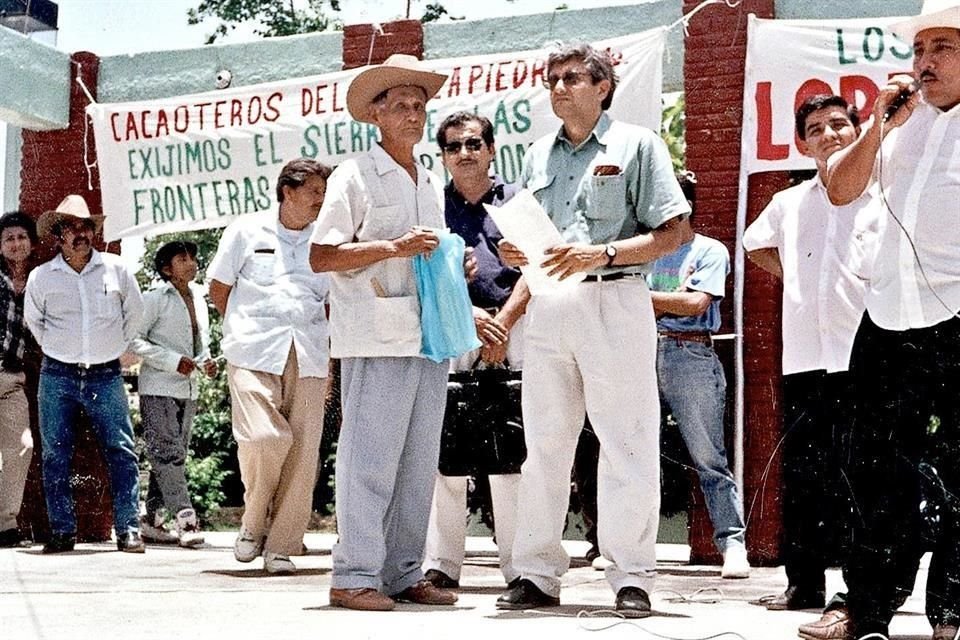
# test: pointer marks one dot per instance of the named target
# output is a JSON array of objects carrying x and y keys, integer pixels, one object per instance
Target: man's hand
[
  {"x": 494, "y": 354},
  {"x": 186, "y": 366},
  {"x": 510, "y": 255},
  {"x": 489, "y": 331},
  {"x": 416, "y": 241},
  {"x": 564, "y": 260},
  {"x": 470, "y": 264},
  {"x": 210, "y": 368},
  {"x": 888, "y": 94}
]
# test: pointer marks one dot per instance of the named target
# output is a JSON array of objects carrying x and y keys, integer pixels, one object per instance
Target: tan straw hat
[
  {"x": 934, "y": 14},
  {"x": 396, "y": 71},
  {"x": 73, "y": 206}
]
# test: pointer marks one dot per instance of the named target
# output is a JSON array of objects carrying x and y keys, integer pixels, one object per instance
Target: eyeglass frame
[
  {"x": 473, "y": 143},
  {"x": 569, "y": 79}
]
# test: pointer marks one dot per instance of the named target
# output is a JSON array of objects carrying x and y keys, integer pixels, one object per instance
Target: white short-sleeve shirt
[
  {"x": 276, "y": 298},
  {"x": 825, "y": 256},
  {"x": 374, "y": 310}
]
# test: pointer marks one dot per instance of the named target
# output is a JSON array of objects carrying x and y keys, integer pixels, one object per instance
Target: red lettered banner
[
  {"x": 199, "y": 161},
  {"x": 790, "y": 60}
]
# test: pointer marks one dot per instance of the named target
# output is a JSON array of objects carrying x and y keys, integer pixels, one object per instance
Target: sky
[{"x": 113, "y": 27}]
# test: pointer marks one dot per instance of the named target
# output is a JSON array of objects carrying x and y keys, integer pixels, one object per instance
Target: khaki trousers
[
  {"x": 277, "y": 422},
  {"x": 16, "y": 447}
]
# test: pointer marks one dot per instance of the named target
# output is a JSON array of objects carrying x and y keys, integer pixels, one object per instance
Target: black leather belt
[
  {"x": 688, "y": 336},
  {"x": 84, "y": 366},
  {"x": 610, "y": 277}
]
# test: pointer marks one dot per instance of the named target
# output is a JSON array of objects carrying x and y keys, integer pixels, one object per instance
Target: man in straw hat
[
  {"x": 84, "y": 308},
  {"x": 381, "y": 210},
  {"x": 906, "y": 356}
]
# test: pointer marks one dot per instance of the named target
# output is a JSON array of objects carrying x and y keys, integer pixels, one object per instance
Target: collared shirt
[
  {"x": 374, "y": 310},
  {"x": 824, "y": 255},
  {"x": 494, "y": 281},
  {"x": 166, "y": 336},
  {"x": 921, "y": 180},
  {"x": 598, "y": 209},
  {"x": 701, "y": 264},
  {"x": 83, "y": 318},
  {"x": 12, "y": 325},
  {"x": 276, "y": 299}
]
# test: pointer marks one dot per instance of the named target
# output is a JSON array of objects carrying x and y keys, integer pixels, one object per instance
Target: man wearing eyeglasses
[
  {"x": 610, "y": 190},
  {"x": 499, "y": 296}
]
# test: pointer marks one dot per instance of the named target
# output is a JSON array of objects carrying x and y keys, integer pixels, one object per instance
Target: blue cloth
[
  {"x": 699, "y": 265},
  {"x": 693, "y": 389},
  {"x": 495, "y": 281},
  {"x": 446, "y": 315},
  {"x": 64, "y": 390}
]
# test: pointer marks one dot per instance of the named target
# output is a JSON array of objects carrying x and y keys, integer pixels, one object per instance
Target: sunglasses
[
  {"x": 472, "y": 144},
  {"x": 570, "y": 79}
]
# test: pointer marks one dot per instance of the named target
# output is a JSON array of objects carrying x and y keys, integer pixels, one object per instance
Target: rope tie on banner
[
  {"x": 373, "y": 36},
  {"x": 86, "y": 130}
]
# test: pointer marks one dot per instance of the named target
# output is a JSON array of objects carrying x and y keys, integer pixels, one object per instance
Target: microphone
[{"x": 905, "y": 94}]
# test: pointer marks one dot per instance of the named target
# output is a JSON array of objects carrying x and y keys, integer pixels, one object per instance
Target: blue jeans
[
  {"x": 693, "y": 389},
  {"x": 64, "y": 391}
]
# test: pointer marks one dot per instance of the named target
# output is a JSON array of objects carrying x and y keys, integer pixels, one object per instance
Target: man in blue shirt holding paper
[{"x": 610, "y": 190}]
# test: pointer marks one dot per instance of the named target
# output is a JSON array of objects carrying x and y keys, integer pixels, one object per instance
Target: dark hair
[
  {"x": 822, "y": 101},
  {"x": 20, "y": 219},
  {"x": 165, "y": 255},
  {"x": 688, "y": 184},
  {"x": 459, "y": 119},
  {"x": 295, "y": 173},
  {"x": 598, "y": 63}
]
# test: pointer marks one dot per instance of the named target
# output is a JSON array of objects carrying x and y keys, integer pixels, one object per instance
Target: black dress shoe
[
  {"x": 10, "y": 538},
  {"x": 130, "y": 542},
  {"x": 440, "y": 580},
  {"x": 794, "y": 598},
  {"x": 633, "y": 602},
  {"x": 59, "y": 543},
  {"x": 592, "y": 553},
  {"x": 526, "y": 595}
]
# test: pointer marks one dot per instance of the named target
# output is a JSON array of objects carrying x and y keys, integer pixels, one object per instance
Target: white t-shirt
[
  {"x": 276, "y": 297},
  {"x": 374, "y": 310},
  {"x": 825, "y": 256}
]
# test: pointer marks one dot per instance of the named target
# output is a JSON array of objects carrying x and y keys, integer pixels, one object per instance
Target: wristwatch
[{"x": 611, "y": 252}]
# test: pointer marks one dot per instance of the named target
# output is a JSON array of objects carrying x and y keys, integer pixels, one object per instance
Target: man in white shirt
[
  {"x": 84, "y": 307},
  {"x": 275, "y": 343},
  {"x": 383, "y": 208},
  {"x": 817, "y": 250},
  {"x": 906, "y": 357}
]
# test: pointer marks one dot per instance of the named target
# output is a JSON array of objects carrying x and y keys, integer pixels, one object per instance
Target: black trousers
[
  {"x": 907, "y": 387},
  {"x": 816, "y": 506}
]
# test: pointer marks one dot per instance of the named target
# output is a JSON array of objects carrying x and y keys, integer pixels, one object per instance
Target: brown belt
[{"x": 689, "y": 336}]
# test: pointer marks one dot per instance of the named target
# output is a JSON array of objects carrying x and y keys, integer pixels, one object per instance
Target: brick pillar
[
  {"x": 363, "y": 44},
  {"x": 713, "y": 79},
  {"x": 52, "y": 167}
]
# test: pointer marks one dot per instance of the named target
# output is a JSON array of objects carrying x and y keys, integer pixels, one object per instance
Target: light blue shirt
[
  {"x": 166, "y": 336},
  {"x": 83, "y": 318},
  {"x": 598, "y": 209},
  {"x": 699, "y": 265}
]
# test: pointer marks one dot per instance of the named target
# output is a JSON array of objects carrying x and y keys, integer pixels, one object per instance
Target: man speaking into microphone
[{"x": 905, "y": 439}]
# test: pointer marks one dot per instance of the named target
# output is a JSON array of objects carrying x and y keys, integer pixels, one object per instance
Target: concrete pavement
[{"x": 181, "y": 594}]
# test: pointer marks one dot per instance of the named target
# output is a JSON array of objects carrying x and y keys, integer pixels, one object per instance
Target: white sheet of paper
[{"x": 524, "y": 223}]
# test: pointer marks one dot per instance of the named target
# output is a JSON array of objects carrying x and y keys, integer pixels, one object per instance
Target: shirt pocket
[
  {"x": 383, "y": 223},
  {"x": 108, "y": 299},
  {"x": 260, "y": 268},
  {"x": 396, "y": 320},
  {"x": 536, "y": 184},
  {"x": 606, "y": 197}
]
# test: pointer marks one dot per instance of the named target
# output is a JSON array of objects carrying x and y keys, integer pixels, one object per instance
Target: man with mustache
[
  {"x": 84, "y": 307},
  {"x": 905, "y": 439}
]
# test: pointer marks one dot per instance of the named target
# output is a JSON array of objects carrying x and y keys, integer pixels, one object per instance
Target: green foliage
[
  {"x": 275, "y": 17},
  {"x": 434, "y": 11},
  {"x": 673, "y": 131}
]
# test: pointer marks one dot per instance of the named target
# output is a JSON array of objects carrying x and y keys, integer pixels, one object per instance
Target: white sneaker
[
  {"x": 155, "y": 531},
  {"x": 246, "y": 548},
  {"x": 278, "y": 564},
  {"x": 735, "y": 563},
  {"x": 600, "y": 563},
  {"x": 188, "y": 528}
]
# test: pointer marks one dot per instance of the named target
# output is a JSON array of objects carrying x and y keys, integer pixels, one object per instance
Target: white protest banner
[
  {"x": 195, "y": 162},
  {"x": 791, "y": 60}
]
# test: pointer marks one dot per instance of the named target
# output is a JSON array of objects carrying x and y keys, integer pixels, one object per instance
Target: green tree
[
  {"x": 673, "y": 130},
  {"x": 276, "y": 17}
]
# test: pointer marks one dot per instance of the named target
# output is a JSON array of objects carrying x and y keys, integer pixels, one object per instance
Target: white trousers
[
  {"x": 447, "y": 530},
  {"x": 591, "y": 349}
]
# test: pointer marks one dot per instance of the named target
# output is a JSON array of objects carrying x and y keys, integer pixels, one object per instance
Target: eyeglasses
[
  {"x": 570, "y": 79},
  {"x": 472, "y": 144}
]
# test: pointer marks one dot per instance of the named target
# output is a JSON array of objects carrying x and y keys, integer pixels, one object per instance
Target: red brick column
[
  {"x": 363, "y": 44},
  {"x": 713, "y": 79},
  {"x": 52, "y": 167}
]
